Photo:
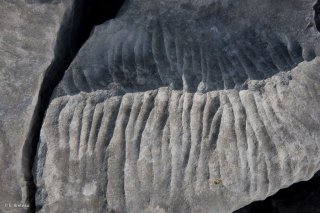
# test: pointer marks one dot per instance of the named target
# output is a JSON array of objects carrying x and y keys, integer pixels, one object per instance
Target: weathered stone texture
[
  {"x": 170, "y": 106},
  {"x": 173, "y": 151},
  {"x": 27, "y": 37},
  {"x": 189, "y": 106}
]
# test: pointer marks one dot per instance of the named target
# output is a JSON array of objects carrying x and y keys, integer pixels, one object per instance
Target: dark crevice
[
  {"x": 77, "y": 24},
  {"x": 316, "y": 8},
  {"x": 302, "y": 197}
]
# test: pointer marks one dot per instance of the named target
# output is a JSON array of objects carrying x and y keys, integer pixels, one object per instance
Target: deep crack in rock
[
  {"x": 75, "y": 29},
  {"x": 299, "y": 197},
  {"x": 316, "y": 9}
]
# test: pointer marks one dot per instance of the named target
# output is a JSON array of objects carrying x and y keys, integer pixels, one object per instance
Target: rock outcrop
[
  {"x": 156, "y": 106},
  {"x": 27, "y": 37},
  {"x": 173, "y": 151}
]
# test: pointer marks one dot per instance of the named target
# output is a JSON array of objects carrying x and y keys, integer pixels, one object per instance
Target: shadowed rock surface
[
  {"x": 300, "y": 197},
  {"x": 192, "y": 47}
]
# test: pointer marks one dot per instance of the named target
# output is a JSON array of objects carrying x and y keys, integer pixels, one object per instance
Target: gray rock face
[
  {"x": 192, "y": 46},
  {"x": 189, "y": 106},
  {"x": 172, "y": 151},
  {"x": 27, "y": 37},
  {"x": 171, "y": 106}
]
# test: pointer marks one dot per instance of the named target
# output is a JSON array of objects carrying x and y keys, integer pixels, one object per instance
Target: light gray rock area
[
  {"x": 172, "y": 151},
  {"x": 163, "y": 106},
  {"x": 28, "y": 35}
]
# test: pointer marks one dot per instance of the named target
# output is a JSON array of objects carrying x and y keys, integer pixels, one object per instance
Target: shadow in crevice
[
  {"x": 43, "y": 1},
  {"x": 316, "y": 8},
  {"x": 299, "y": 197}
]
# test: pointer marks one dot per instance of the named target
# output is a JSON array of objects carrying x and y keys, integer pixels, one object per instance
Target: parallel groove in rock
[
  {"x": 156, "y": 54},
  {"x": 171, "y": 147}
]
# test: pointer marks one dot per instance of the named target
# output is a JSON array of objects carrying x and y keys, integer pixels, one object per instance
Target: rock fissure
[
  {"x": 316, "y": 9},
  {"x": 75, "y": 29}
]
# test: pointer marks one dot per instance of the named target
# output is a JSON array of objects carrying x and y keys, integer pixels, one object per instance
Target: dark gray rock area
[
  {"x": 191, "y": 46},
  {"x": 159, "y": 106},
  {"x": 300, "y": 197}
]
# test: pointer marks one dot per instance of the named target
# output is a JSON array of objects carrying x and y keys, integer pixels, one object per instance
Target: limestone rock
[
  {"x": 169, "y": 106},
  {"x": 27, "y": 37},
  {"x": 193, "y": 46},
  {"x": 184, "y": 106},
  {"x": 174, "y": 151}
]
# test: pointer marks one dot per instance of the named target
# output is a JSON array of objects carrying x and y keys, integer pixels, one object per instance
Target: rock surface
[
  {"x": 189, "y": 106},
  {"x": 27, "y": 38},
  {"x": 193, "y": 46},
  {"x": 170, "y": 106},
  {"x": 172, "y": 151}
]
